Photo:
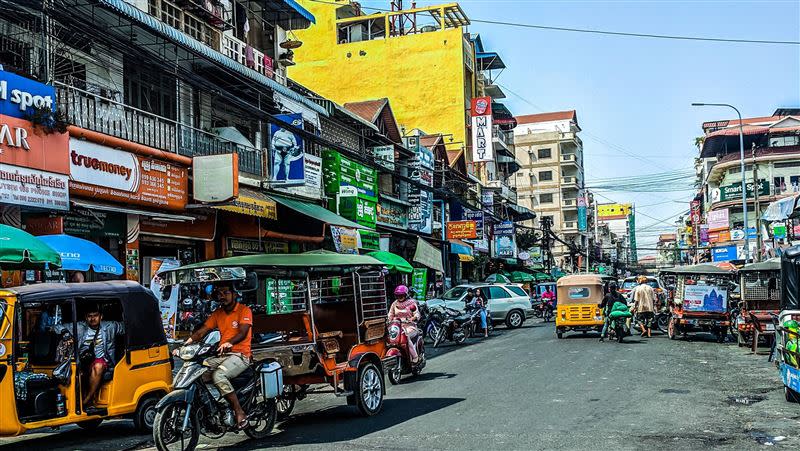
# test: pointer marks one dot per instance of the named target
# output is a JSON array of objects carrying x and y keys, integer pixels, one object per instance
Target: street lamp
[{"x": 744, "y": 183}]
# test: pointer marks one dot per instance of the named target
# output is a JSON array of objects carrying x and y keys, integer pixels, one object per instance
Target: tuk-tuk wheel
[
  {"x": 559, "y": 334},
  {"x": 369, "y": 389},
  {"x": 90, "y": 424},
  {"x": 790, "y": 395},
  {"x": 145, "y": 414},
  {"x": 721, "y": 334}
]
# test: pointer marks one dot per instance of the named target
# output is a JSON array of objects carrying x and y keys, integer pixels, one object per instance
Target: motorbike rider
[
  {"x": 234, "y": 322},
  {"x": 613, "y": 296},
  {"x": 547, "y": 298},
  {"x": 479, "y": 301},
  {"x": 405, "y": 309}
]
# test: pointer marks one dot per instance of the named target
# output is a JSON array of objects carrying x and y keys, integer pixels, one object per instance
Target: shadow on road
[
  {"x": 343, "y": 423},
  {"x": 427, "y": 377},
  {"x": 111, "y": 435}
]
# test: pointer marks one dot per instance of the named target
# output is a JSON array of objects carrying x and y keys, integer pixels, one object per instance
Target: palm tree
[{"x": 698, "y": 142}]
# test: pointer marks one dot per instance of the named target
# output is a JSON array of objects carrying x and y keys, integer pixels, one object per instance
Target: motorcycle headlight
[
  {"x": 188, "y": 352},
  {"x": 394, "y": 332}
]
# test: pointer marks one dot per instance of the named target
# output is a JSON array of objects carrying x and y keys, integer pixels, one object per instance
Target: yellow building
[{"x": 421, "y": 59}]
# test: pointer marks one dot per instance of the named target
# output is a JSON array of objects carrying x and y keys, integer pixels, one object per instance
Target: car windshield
[
  {"x": 454, "y": 293},
  {"x": 630, "y": 284}
]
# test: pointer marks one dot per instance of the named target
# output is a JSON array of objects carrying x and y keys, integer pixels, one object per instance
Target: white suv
[{"x": 508, "y": 302}]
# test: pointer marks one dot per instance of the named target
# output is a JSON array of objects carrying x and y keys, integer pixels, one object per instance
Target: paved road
[{"x": 525, "y": 389}]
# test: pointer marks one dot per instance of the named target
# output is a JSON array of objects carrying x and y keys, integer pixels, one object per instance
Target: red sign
[
  {"x": 695, "y": 205},
  {"x": 481, "y": 106},
  {"x": 45, "y": 225},
  {"x": 462, "y": 230},
  {"x": 22, "y": 144}
]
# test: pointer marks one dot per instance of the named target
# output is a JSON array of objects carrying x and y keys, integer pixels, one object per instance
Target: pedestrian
[
  {"x": 643, "y": 304},
  {"x": 607, "y": 305}
]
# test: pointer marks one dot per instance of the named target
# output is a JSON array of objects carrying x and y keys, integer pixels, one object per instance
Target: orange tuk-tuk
[{"x": 700, "y": 301}]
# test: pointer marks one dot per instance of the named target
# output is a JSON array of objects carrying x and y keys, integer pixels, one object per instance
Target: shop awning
[
  {"x": 459, "y": 247},
  {"x": 317, "y": 212},
  {"x": 150, "y": 214},
  {"x": 428, "y": 255},
  {"x": 781, "y": 209},
  {"x": 252, "y": 203},
  {"x": 393, "y": 261},
  {"x": 21, "y": 250},
  {"x": 78, "y": 254}
]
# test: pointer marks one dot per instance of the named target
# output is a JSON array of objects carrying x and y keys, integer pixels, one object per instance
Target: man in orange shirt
[{"x": 234, "y": 322}]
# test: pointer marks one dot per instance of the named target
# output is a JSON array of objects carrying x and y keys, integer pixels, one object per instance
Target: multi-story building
[
  {"x": 772, "y": 155},
  {"x": 551, "y": 179}
]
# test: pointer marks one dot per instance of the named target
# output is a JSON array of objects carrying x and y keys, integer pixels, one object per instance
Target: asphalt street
[{"x": 525, "y": 389}]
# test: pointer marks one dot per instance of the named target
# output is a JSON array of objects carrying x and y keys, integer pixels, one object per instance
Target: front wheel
[
  {"x": 260, "y": 426},
  {"x": 369, "y": 390},
  {"x": 167, "y": 426},
  {"x": 461, "y": 337},
  {"x": 395, "y": 373},
  {"x": 145, "y": 414}
]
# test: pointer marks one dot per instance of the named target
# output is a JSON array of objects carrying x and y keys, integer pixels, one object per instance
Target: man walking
[{"x": 644, "y": 304}]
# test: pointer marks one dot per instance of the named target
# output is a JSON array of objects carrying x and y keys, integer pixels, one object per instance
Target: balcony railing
[
  {"x": 570, "y": 203},
  {"x": 505, "y": 137},
  {"x": 236, "y": 50},
  {"x": 570, "y": 226},
  {"x": 569, "y": 158},
  {"x": 93, "y": 112},
  {"x": 505, "y": 191},
  {"x": 570, "y": 180}
]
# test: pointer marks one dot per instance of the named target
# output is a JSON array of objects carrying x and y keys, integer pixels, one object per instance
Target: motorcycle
[
  {"x": 475, "y": 312},
  {"x": 618, "y": 328},
  {"x": 547, "y": 313},
  {"x": 195, "y": 408},
  {"x": 430, "y": 321},
  {"x": 398, "y": 343},
  {"x": 457, "y": 327}
]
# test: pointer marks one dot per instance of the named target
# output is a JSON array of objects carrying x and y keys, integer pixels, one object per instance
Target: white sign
[
  {"x": 717, "y": 220},
  {"x": 168, "y": 304},
  {"x": 482, "y": 149},
  {"x": 384, "y": 156},
  {"x": 313, "y": 185},
  {"x": 98, "y": 165},
  {"x": 33, "y": 188},
  {"x": 214, "y": 177},
  {"x": 737, "y": 234},
  {"x": 705, "y": 298}
]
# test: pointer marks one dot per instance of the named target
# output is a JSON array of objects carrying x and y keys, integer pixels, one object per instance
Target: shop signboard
[
  {"x": 703, "y": 233},
  {"x": 487, "y": 199},
  {"x": 202, "y": 227},
  {"x": 215, "y": 178},
  {"x": 287, "y": 158},
  {"x": 106, "y": 173},
  {"x": 22, "y": 145},
  {"x": 252, "y": 205},
  {"x": 481, "y": 113},
  {"x": 705, "y": 298},
  {"x": 20, "y": 97},
  {"x": 613, "y": 211},
  {"x": 536, "y": 255},
  {"x": 717, "y": 219},
  {"x": 359, "y": 210},
  {"x": 33, "y": 188},
  {"x": 461, "y": 230},
  {"x": 504, "y": 246},
  {"x": 345, "y": 239},
  {"x": 419, "y": 282},
  {"x": 420, "y": 213},
  {"x": 477, "y": 216},
  {"x": 695, "y": 210},
  {"x": 278, "y": 295},
  {"x": 734, "y": 191},
  {"x": 779, "y": 231},
  {"x": 392, "y": 214},
  {"x": 340, "y": 171},
  {"x": 723, "y": 254},
  {"x": 312, "y": 188},
  {"x": 384, "y": 156},
  {"x": 167, "y": 302},
  {"x": 582, "y": 219},
  {"x": 369, "y": 240},
  {"x": 724, "y": 236},
  {"x": 737, "y": 234}
]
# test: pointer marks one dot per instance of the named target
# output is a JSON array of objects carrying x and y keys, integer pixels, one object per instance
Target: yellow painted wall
[{"x": 421, "y": 74}]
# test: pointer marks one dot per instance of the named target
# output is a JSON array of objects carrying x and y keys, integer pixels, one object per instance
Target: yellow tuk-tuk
[
  {"x": 579, "y": 298},
  {"x": 42, "y": 381}
]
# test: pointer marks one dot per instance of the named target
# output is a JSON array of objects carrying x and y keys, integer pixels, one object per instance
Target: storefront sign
[
  {"x": 106, "y": 173},
  {"x": 345, "y": 239},
  {"x": 340, "y": 171},
  {"x": 419, "y": 282},
  {"x": 24, "y": 146},
  {"x": 703, "y": 233},
  {"x": 286, "y": 152},
  {"x": 717, "y": 219},
  {"x": 705, "y": 298},
  {"x": 420, "y": 214},
  {"x": 779, "y": 231},
  {"x": 695, "y": 211},
  {"x": 481, "y": 113},
  {"x": 487, "y": 199},
  {"x": 359, "y": 210},
  {"x": 20, "y": 96},
  {"x": 723, "y": 254},
  {"x": 312, "y": 188},
  {"x": 215, "y": 178},
  {"x": 504, "y": 245},
  {"x": 367, "y": 239},
  {"x": 392, "y": 214},
  {"x": 613, "y": 211},
  {"x": 536, "y": 255},
  {"x": 33, "y": 188},
  {"x": 202, "y": 228},
  {"x": 252, "y": 206},
  {"x": 477, "y": 216},
  {"x": 250, "y": 246},
  {"x": 734, "y": 191},
  {"x": 462, "y": 230},
  {"x": 428, "y": 255},
  {"x": 737, "y": 234},
  {"x": 582, "y": 217},
  {"x": 384, "y": 156}
]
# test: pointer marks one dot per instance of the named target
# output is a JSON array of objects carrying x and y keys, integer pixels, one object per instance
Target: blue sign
[
  {"x": 505, "y": 228},
  {"x": 751, "y": 233},
  {"x": 286, "y": 152},
  {"x": 723, "y": 254},
  {"x": 582, "y": 219},
  {"x": 20, "y": 96}
]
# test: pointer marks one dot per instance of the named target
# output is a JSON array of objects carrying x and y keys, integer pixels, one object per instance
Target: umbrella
[
  {"x": 522, "y": 277},
  {"x": 78, "y": 254},
  {"x": 21, "y": 250},
  {"x": 392, "y": 261},
  {"x": 498, "y": 278}
]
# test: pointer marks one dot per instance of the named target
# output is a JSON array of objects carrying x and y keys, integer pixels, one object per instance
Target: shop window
[
  {"x": 795, "y": 183},
  {"x": 784, "y": 141},
  {"x": 545, "y": 153},
  {"x": 149, "y": 90},
  {"x": 780, "y": 185},
  {"x": 545, "y": 176}
]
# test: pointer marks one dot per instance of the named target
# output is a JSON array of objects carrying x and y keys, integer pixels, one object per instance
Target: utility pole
[{"x": 757, "y": 206}]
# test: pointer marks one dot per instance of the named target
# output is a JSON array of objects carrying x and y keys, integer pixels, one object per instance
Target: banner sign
[
  {"x": 384, "y": 156},
  {"x": 717, "y": 219},
  {"x": 367, "y": 239},
  {"x": 106, "y": 173},
  {"x": 420, "y": 214},
  {"x": 345, "y": 239},
  {"x": 419, "y": 282},
  {"x": 477, "y": 216},
  {"x": 504, "y": 246},
  {"x": 734, "y": 191},
  {"x": 487, "y": 199},
  {"x": 33, "y": 188},
  {"x": 167, "y": 302},
  {"x": 582, "y": 217},
  {"x": 705, "y": 298},
  {"x": 613, "y": 211},
  {"x": 358, "y": 210},
  {"x": 20, "y": 96},
  {"x": 339, "y": 171},
  {"x": 482, "y": 147},
  {"x": 251, "y": 246},
  {"x": 287, "y": 158},
  {"x": 392, "y": 214},
  {"x": 695, "y": 209},
  {"x": 312, "y": 188},
  {"x": 462, "y": 230},
  {"x": 723, "y": 254}
]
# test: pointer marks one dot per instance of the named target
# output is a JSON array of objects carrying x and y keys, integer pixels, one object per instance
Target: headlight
[
  {"x": 394, "y": 332},
  {"x": 189, "y": 351}
]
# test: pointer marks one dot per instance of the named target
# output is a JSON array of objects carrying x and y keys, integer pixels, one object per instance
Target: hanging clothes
[{"x": 249, "y": 56}]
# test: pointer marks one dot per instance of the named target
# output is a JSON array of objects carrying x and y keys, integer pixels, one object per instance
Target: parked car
[{"x": 508, "y": 302}]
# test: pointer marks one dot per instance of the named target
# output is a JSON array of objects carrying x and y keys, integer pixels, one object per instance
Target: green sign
[
  {"x": 632, "y": 235},
  {"x": 370, "y": 240},
  {"x": 419, "y": 282},
  {"x": 339, "y": 171},
  {"x": 279, "y": 296},
  {"x": 360, "y": 210},
  {"x": 734, "y": 191}
]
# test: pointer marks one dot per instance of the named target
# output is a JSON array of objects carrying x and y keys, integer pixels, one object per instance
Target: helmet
[{"x": 401, "y": 290}]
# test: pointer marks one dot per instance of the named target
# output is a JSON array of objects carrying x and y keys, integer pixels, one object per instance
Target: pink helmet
[{"x": 401, "y": 290}]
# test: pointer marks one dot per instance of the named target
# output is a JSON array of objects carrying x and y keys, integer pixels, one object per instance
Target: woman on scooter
[
  {"x": 482, "y": 303},
  {"x": 405, "y": 309}
]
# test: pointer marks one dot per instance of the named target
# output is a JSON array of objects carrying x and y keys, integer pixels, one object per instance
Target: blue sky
[{"x": 635, "y": 93}]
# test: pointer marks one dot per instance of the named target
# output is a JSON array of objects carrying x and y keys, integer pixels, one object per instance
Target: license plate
[{"x": 770, "y": 326}]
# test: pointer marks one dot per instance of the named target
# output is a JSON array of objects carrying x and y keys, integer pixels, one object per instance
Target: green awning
[
  {"x": 522, "y": 277},
  {"x": 317, "y": 212},
  {"x": 542, "y": 277},
  {"x": 497, "y": 278},
  {"x": 21, "y": 250},
  {"x": 303, "y": 261},
  {"x": 393, "y": 261}
]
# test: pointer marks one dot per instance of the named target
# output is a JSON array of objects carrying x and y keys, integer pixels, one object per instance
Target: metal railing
[
  {"x": 506, "y": 137},
  {"x": 95, "y": 112}
]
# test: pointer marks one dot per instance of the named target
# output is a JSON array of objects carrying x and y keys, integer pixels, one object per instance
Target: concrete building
[{"x": 551, "y": 179}]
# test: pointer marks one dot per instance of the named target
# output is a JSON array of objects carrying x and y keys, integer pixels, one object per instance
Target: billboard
[
  {"x": 481, "y": 113},
  {"x": 717, "y": 220},
  {"x": 705, "y": 298},
  {"x": 420, "y": 213},
  {"x": 286, "y": 152},
  {"x": 613, "y": 211},
  {"x": 462, "y": 230}
]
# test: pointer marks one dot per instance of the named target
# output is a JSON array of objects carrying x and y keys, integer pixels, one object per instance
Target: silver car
[{"x": 508, "y": 302}]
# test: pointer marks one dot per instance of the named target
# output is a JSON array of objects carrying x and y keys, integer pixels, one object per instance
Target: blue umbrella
[{"x": 78, "y": 254}]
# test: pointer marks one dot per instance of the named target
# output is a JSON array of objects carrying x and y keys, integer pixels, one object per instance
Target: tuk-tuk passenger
[
  {"x": 95, "y": 347},
  {"x": 234, "y": 322}
]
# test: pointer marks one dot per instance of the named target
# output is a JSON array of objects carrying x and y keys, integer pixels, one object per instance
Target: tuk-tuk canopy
[
  {"x": 702, "y": 268},
  {"x": 773, "y": 264},
  {"x": 140, "y": 310}
]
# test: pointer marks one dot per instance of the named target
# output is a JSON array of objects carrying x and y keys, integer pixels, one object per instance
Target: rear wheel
[
  {"x": 369, "y": 389},
  {"x": 261, "y": 425},
  {"x": 514, "y": 319},
  {"x": 145, "y": 414},
  {"x": 167, "y": 426},
  {"x": 286, "y": 402},
  {"x": 559, "y": 333}
]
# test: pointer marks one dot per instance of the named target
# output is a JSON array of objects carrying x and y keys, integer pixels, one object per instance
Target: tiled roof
[
  {"x": 452, "y": 156},
  {"x": 368, "y": 109},
  {"x": 430, "y": 141},
  {"x": 745, "y": 121},
  {"x": 548, "y": 117}
]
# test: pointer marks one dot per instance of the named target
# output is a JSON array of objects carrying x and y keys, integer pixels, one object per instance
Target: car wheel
[
  {"x": 369, "y": 389},
  {"x": 514, "y": 319}
]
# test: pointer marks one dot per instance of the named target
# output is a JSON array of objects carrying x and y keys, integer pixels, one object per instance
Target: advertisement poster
[
  {"x": 482, "y": 147},
  {"x": 705, "y": 298},
  {"x": 384, "y": 156},
  {"x": 504, "y": 246},
  {"x": 392, "y": 214},
  {"x": 724, "y": 254},
  {"x": 286, "y": 152},
  {"x": 419, "y": 282},
  {"x": 717, "y": 220},
  {"x": 279, "y": 296},
  {"x": 312, "y": 188},
  {"x": 462, "y": 230},
  {"x": 167, "y": 302},
  {"x": 582, "y": 221},
  {"x": 420, "y": 213},
  {"x": 734, "y": 191},
  {"x": 339, "y": 171},
  {"x": 33, "y": 188},
  {"x": 345, "y": 240}
]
